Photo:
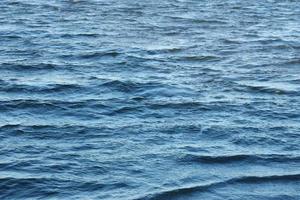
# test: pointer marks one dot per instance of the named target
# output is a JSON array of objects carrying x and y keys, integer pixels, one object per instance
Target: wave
[
  {"x": 25, "y": 104},
  {"x": 177, "y": 105},
  {"x": 32, "y": 67},
  {"x": 52, "y": 105},
  {"x": 125, "y": 86},
  {"x": 226, "y": 159},
  {"x": 199, "y": 21},
  {"x": 57, "y": 131},
  {"x": 130, "y": 86},
  {"x": 198, "y": 58},
  {"x": 50, "y": 88},
  {"x": 42, "y": 187},
  {"x": 17, "y": 188},
  {"x": 270, "y": 90},
  {"x": 181, "y": 191},
  {"x": 99, "y": 54},
  {"x": 10, "y": 37},
  {"x": 83, "y": 35},
  {"x": 92, "y": 55},
  {"x": 186, "y": 105},
  {"x": 266, "y": 89},
  {"x": 97, "y": 95},
  {"x": 125, "y": 110}
]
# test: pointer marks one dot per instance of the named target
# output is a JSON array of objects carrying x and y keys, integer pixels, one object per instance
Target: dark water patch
[
  {"x": 31, "y": 187},
  {"x": 28, "y": 104},
  {"x": 99, "y": 54},
  {"x": 19, "y": 165},
  {"x": 28, "y": 67},
  {"x": 62, "y": 87},
  {"x": 230, "y": 41},
  {"x": 179, "y": 105},
  {"x": 19, "y": 3},
  {"x": 50, "y": 88},
  {"x": 47, "y": 187},
  {"x": 91, "y": 56},
  {"x": 56, "y": 132},
  {"x": 134, "y": 110},
  {"x": 193, "y": 129},
  {"x": 131, "y": 86},
  {"x": 272, "y": 178},
  {"x": 248, "y": 158},
  {"x": 10, "y": 36},
  {"x": 198, "y": 20},
  {"x": 198, "y": 58},
  {"x": 124, "y": 86},
  {"x": 292, "y": 62},
  {"x": 209, "y": 22},
  {"x": 88, "y": 35}
]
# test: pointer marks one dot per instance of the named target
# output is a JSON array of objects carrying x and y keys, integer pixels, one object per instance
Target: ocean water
[{"x": 149, "y": 100}]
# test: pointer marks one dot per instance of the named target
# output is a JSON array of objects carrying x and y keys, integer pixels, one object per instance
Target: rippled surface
[{"x": 173, "y": 99}]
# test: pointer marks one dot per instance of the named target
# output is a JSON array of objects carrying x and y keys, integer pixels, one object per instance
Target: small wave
[
  {"x": 56, "y": 132},
  {"x": 33, "y": 67},
  {"x": 198, "y": 58},
  {"x": 16, "y": 88},
  {"x": 125, "y": 86},
  {"x": 18, "y": 188},
  {"x": 225, "y": 159},
  {"x": 165, "y": 50},
  {"x": 25, "y": 104},
  {"x": 52, "y": 105},
  {"x": 94, "y": 55},
  {"x": 172, "y": 193},
  {"x": 19, "y": 165},
  {"x": 209, "y": 21},
  {"x": 263, "y": 88},
  {"x": 41, "y": 187},
  {"x": 270, "y": 90},
  {"x": 178, "y": 105},
  {"x": 272, "y": 178},
  {"x": 100, "y": 54},
  {"x": 256, "y": 140},
  {"x": 130, "y": 86},
  {"x": 199, "y": 21},
  {"x": 62, "y": 87},
  {"x": 10, "y": 37},
  {"x": 179, "y": 192},
  {"x": 182, "y": 129},
  {"x": 126, "y": 110},
  {"x": 230, "y": 41},
  {"x": 294, "y": 61},
  {"x": 20, "y": 3},
  {"x": 84, "y": 35}
]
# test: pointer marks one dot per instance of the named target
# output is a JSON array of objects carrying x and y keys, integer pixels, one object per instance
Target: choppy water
[{"x": 158, "y": 99}]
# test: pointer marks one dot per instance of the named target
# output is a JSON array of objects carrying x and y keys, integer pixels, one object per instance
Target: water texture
[{"x": 150, "y": 100}]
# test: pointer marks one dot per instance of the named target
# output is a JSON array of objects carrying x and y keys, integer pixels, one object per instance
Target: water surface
[{"x": 128, "y": 99}]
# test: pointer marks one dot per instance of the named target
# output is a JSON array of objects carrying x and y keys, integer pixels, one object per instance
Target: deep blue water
[{"x": 157, "y": 99}]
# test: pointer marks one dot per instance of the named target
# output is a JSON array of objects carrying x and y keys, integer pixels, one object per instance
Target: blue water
[{"x": 157, "y": 99}]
